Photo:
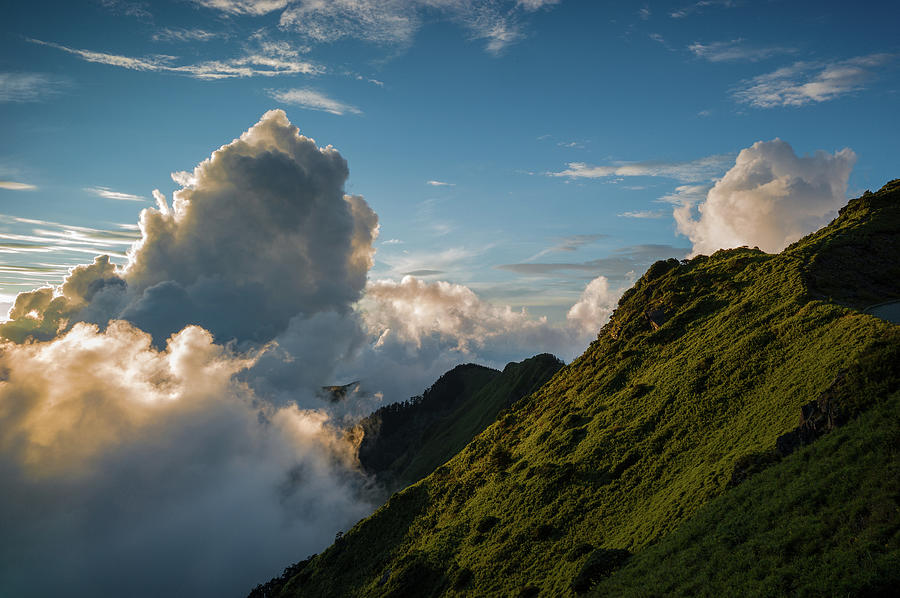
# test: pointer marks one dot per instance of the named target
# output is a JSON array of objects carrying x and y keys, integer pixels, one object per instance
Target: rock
[{"x": 816, "y": 418}]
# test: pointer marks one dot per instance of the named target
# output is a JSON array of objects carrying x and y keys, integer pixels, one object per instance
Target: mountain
[
  {"x": 733, "y": 429},
  {"x": 404, "y": 442}
]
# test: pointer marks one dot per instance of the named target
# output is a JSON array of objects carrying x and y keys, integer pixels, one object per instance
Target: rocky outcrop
[{"x": 816, "y": 418}]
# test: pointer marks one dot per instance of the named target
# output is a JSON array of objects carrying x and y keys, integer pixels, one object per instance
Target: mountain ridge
[{"x": 704, "y": 365}]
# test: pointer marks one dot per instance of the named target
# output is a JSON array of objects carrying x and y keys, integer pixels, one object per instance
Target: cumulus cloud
[
  {"x": 595, "y": 306},
  {"x": 769, "y": 198},
  {"x": 424, "y": 328},
  {"x": 153, "y": 472},
  {"x": 134, "y": 432}
]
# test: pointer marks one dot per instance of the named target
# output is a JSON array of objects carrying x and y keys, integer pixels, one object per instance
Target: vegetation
[
  {"x": 648, "y": 465},
  {"x": 404, "y": 442}
]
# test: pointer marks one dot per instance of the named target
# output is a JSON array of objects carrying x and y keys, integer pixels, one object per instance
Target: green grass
[{"x": 632, "y": 446}]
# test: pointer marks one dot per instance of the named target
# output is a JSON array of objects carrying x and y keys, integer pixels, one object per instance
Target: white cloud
[
  {"x": 16, "y": 186},
  {"x": 735, "y": 50},
  {"x": 695, "y": 170},
  {"x": 769, "y": 198},
  {"x": 536, "y": 4},
  {"x": 390, "y": 21},
  {"x": 595, "y": 306},
  {"x": 440, "y": 184},
  {"x": 250, "y": 64},
  {"x": 643, "y": 214},
  {"x": 28, "y": 87},
  {"x": 809, "y": 82},
  {"x": 313, "y": 100},
  {"x": 700, "y": 6},
  {"x": 108, "y": 193},
  {"x": 248, "y": 7},
  {"x": 179, "y": 34},
  {"x": 109, "y": 446}
]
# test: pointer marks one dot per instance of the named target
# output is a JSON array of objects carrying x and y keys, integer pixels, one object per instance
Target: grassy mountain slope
[
  {"x": 402, "y": 443},
  {"x": 393, "y": 434},
  {"x": 479, "y": 411},
  {"x": 704, "y": 365}
]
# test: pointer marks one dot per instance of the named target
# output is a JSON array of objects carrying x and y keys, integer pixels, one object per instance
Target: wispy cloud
[
  {"x": 69, "y": 242},
  {"x": 28, "y": 87},
  {"x": 108, "y": 193},
  {"x": 809, "y": 82},
  {"x": 393, "y": 22},
  {"x": 570, "y": 243},
  {"x": 244, "y": 7},
  {"x": 642, "y": 214},
  {"x": 178, "y": 34},
  {"x": 735, "y": 50},
  {"x": 618, "y": 264},
  {"x": 694, "y": 170},
  {"x": 250, "y": 64},
  {"x": 700, "y": 6},
  {"x": 440, "y": 184},
  {"x": 16, "y": 186},
  {"x": 127, "y": 8},
  {"x": 313, "y": 100}
]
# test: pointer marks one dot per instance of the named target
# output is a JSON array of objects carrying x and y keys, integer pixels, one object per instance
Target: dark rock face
[
  {"x": 656, "y": 317},
  {"x": 816, "y": 418}
]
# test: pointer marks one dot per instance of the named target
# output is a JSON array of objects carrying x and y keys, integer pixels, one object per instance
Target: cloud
[
  {"x": 595, "y": 306},
  {"x": 131, "y": 427},
  {"x": 443, "y": 322},
  {"x": 16, "y": 186},
  {"x": 536, "y": 4},
  {"x": 108, "y": 193},
  {"x": 440, "y": 184},
  {"x": 179, "y": 34},
  {"x": 246, "y": 7},
  {"x": 250, "y": 64},
  {"x": 735, "y": 50},
  {"x": 313, "y": 100},
  {"x": 390, "y": 22},
  {"x": 769, "y": 198},
  {"x": 694, "y": 170},
  {"x": 128, "y": 8},
  {"x": 698, "y": 7},
  {"x": 643, "y": 214},
  {"x": 809, "y": 82},
  {"x": 617, "y": 265},
  {"x": 29, "y": 87},
  {"x": 260, "y": 232},
  {"x": 156, "y": 470}
]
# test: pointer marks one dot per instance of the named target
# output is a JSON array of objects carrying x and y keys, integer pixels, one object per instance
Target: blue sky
[{"x": 485, "y": 135}]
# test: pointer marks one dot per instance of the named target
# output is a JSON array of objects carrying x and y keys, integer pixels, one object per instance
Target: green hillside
[
  {"x": 653, "y": 454},
  {"x": 403, "y": 442}
]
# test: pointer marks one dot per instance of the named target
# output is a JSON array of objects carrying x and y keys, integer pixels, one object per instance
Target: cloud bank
[
  {"x": 770, "y": 198},
  {"x": 160, "y": 429},
  {"x": 133, "y": 471}
]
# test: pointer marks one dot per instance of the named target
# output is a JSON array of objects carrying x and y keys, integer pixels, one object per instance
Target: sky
[{"x": 211, "y": 208}]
